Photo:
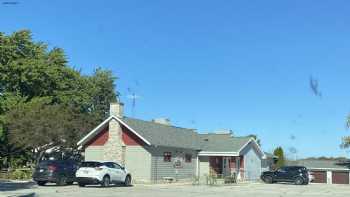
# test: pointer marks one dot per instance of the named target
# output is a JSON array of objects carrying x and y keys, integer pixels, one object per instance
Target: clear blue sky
[{"x": 211, "y": 65}]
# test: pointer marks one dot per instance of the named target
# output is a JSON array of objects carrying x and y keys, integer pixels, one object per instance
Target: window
[
  {"x": 167, "y": 157},
  {"x": 117, "y": 166},
  {"x": 109, "y": 164},
  {"x": 188, "y": 158}
]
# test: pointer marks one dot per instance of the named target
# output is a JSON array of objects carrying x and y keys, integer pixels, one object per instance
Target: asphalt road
[{"x": 171, "y": 190}]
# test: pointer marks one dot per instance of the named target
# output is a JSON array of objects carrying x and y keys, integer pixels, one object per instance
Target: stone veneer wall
[{"x": 114, "y": 148}]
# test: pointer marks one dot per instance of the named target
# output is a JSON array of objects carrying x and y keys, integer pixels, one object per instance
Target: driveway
[{"x": 241, "y": 190}]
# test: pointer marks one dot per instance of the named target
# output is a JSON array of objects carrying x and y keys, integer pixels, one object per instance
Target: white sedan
[{"x": 104, "y": 173}]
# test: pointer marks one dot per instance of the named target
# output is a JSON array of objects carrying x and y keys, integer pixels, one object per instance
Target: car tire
[
  {"x": 298, "y": 181},
  {"x": 106, "y": 181},
  {"x": 127, "y": 181},
  {"x": 70, "y": 183},
  {"x": 81, "y": 184},
  {"x": 41, "y": 183},
  {"x": 268, "y": 179},
  {"x": 61, "y": 181}
]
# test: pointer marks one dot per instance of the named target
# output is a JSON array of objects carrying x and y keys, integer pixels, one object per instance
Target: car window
[
  {"x": 117, "y": 166},
  {"x": 109, "y": 165},
  {"x": 283, "y": 169},
  {"x": 90, "y": 164}
]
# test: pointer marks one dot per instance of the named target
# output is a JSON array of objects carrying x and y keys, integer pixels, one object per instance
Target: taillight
[
  {"x": 98, "y": 168},
  {"x": 52, "y": 168}
]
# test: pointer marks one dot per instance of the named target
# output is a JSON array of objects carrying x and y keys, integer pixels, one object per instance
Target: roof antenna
[{"x": 133, "y": 96}]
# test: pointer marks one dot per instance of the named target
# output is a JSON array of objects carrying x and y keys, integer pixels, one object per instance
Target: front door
[{"x": 226, "y": 166}]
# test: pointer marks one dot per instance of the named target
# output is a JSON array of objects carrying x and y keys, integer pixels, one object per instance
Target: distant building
[{"x": 331, "y": 171}]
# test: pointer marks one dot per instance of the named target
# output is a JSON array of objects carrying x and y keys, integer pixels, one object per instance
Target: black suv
[
  {"x": 60, "y": 172},
  {"x": 298, "y": 175}
]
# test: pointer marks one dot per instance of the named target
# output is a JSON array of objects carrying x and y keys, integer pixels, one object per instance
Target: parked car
[
  {"x": 104, "y": 173},
  {"x": 60, "y": 172},
  {"x": 298, "y": 175}
]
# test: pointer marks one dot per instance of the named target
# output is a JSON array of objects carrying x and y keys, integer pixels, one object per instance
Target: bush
[{"x": 20, "y": 174}]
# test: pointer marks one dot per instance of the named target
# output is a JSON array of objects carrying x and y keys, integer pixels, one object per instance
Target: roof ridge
[{"x": 158, "y": 124}]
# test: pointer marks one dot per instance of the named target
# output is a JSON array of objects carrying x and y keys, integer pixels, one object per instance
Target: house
[
  {"x": 154, "y": 150},
  {"x": 330, "y": 171}
]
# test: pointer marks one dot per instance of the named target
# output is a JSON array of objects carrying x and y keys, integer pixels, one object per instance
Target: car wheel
[
  {"x": 127, "y": 181},
  {"x": 81, "y": 184},
  {"x": 61, "y": 181},
  {"x": 70, "y": 183},
  {"x": 106, "y": 181},
  {"x": 298, "y": 181},
  {"x": 268, "y": 179},
  {"x": 41, "y": 183}
]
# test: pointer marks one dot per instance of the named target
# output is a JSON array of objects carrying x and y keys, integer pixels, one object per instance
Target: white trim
[
  {"x": 257, "y": 147},
  {"x": 128, "y": 127},
  {"x": 205, "y": 153},
  {"x": 91, "y": 133}
]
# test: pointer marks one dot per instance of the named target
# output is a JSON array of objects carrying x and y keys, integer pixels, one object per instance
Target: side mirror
[{"x": 122, "y": 167}]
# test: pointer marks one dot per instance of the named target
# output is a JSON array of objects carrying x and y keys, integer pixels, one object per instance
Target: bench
[{"x": 168, "y": 179}]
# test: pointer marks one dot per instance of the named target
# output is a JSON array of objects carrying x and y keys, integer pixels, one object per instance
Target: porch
[{"x": 222, "y": 166}]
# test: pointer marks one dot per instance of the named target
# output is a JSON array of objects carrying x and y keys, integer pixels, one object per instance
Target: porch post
[
  {"x": 238, "y": 167},
  {"x": 197, "y": 169}
]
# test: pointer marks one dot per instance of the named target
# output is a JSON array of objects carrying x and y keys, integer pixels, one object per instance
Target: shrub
[{"x": 20, "y": 174}]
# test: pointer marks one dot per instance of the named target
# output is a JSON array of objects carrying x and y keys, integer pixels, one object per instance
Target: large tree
[
  {"x": 280, "y": 154},
  {"x": 31, "y": 71},
  {"x": 37, "y": 126}
]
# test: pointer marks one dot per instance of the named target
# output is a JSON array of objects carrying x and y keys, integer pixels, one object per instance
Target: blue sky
[{"x": 213, "y": 65}]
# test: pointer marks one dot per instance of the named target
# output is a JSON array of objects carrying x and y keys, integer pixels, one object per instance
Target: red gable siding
[
  {"x": 100, "y": 139},
  {"x": 130, "y": 139}
]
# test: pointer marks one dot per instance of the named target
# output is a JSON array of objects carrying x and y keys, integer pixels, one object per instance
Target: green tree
[
  {"x": 346, "y": 139},
  {"x": 280, "y": 154},
  {"x": 37, "y": 126},
  {"x": 102, "y": 91},
  {"x": 255, "y": 138},
  {"x": 30, "y": 71}
]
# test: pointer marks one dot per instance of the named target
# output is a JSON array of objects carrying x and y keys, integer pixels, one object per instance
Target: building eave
[
  {"x": 228, "y": 154},
  {"x": 97, "y": 129}
]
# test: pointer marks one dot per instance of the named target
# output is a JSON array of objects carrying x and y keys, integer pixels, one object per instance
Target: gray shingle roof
[
  {"x": 164, "y": 135},
  {"x": 171, "y": 136},
  {"x": 318, "y": 164},
  {"x": 222, "y": 142}
]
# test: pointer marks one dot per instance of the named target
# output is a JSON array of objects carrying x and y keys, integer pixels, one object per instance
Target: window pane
[{"x": 167, "y": 157}]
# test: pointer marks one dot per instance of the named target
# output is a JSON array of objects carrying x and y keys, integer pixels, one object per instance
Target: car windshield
[{"x": 90, "y": 164}]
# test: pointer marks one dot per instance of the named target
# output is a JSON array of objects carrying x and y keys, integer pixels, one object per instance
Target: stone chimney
[
  {"x": 116, "y": 109},
  {"x": 114, "y": 148}
]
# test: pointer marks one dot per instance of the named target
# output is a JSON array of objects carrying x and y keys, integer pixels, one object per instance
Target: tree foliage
[
  {"x": 32, "y": 76},
  {"x": 255, "y": 138},
  {"x": 280, "y": 154},
  {"x": 38, "y": 126},
  {"x": 346, "y": 139}
]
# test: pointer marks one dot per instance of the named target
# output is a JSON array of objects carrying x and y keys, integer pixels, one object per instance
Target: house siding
[
  {"x": 138, "y": 163},
  {"x": 100, "y": 139},
  {"x": 252, "y": 163},
  {"x": 94, "y": 153},
  {"x": 204, "y": 166},
  {"x": 161, "y": 169}
]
